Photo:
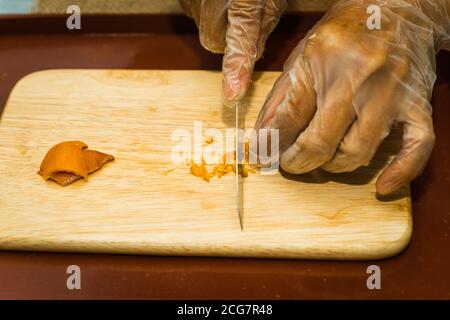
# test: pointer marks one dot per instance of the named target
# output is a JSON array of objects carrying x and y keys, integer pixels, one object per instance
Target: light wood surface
[{"x": 134, "y": 206}]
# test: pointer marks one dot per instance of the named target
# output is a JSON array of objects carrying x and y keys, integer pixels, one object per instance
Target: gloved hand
[
  {"x": 238, "y": 28},
  {"x": 344, "y": 86}
]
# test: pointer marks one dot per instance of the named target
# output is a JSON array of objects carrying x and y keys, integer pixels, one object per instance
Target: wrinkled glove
[
  {"x": 238, "y": 28},
  {"x": 344, "y": 86}
]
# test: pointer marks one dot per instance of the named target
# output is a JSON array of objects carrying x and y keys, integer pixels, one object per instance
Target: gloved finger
[
  {"x": 271, "y": 15},
  {"x": 244, "y": 24},
  {"x": 319, "y": 141},
  {"x": 273, "y": 101},
  {"x": 418, "y": 141},
  {"x": 295, "y": 67},
  {"x": 290, "y": 105},
  {"x": 211, "y": 20},
  {"x": 375, "y": 115}
]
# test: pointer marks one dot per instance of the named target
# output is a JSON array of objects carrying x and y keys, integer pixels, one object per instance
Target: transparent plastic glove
[
  {"x": 238, "y": 28},
  {"x": 344, "y": 86}
]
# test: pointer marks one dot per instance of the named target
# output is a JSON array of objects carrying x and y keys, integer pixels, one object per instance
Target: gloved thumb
[{"x": 418, "y": 141}]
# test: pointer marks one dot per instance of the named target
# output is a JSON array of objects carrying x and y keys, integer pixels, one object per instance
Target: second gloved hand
[
  {"x": 344, "y": 86},
  {"x": 239, "y": 29}
]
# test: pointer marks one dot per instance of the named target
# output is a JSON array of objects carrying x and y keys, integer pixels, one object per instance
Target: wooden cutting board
[{"x": 142, "y": 203}]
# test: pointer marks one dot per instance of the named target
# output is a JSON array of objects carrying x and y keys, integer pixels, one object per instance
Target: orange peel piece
[
  {"x": 69, "y": 161},
  {"x": 95, "y": 160},
  {"x": 65, "y": 157}
]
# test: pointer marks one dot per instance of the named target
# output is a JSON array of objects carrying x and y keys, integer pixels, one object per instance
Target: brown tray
[{"x": 31, "y": 43}]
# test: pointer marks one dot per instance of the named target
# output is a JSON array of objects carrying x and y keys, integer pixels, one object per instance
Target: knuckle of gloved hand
[
  {"x": 245, "y": 11},
  {"x": 420, "y": 142},
  {"x": 426, "y": 138},
  {"x": 291, "y": 167},
  {"x": 356, "y": 154},
  {"x": 318, "y": 147},
  {"x": 329, "y": 36},
  {"x": 306, "y": 155}
]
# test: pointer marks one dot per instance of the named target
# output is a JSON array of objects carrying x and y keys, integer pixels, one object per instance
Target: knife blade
[{"x": 239, "y": 146}]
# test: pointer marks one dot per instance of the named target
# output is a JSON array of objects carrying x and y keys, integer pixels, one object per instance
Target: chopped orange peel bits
[
  {"x": 223, "y": 168},
  {"x": 69, "y": 161}
]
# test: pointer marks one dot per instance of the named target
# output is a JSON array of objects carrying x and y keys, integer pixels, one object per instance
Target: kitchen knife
[{"x": 240, "y": 154}]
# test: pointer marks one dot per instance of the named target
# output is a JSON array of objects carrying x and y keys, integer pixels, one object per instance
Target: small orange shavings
[
  {"x": 200, "y": 170},
  {"x": 209, "y": 140},
  {"x": 223, "y": 168},
  {"x": 69, "y": 161}
]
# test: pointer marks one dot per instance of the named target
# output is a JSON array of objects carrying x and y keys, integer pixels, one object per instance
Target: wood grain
[{"x": 142, "y": 203}]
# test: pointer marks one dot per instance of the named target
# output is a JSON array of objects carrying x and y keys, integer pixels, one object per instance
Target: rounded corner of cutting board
[
  {"x": 33, "y": 75},
  {"x": 397, "y": 246}
]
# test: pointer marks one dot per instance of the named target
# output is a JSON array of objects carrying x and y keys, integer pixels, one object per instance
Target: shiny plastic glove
[
  {"x": 238, "y": 28},
  {"x": 344, "y": 86}
]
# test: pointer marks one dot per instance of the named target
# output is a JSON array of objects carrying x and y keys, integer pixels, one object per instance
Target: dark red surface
[{"x": 157, "y": 42}]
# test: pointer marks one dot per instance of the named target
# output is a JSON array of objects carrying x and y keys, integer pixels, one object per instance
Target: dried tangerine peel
[
  {"x": 64, "y": 157},
  {"x": 222, "y": 168},
  {"x": 95, "y": 160},
  {"x": 64, "y": 178},
  {"x": 69, "y": 161}
]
